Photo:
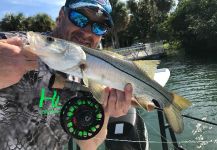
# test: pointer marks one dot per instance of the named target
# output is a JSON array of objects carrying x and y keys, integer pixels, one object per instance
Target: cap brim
[{"x": 109, "y": 22}]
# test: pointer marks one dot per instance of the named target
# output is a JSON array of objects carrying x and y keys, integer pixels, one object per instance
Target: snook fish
[{"x": 109, "y": 69}]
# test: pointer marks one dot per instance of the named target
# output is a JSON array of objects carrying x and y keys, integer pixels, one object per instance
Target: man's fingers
[
  {"x": 112, "y": 99},
  {"x": 31, "y": 65},
  {"x": 117, "y": 103},
  {"x": 120, "y": 104},
  {"x": 30, "y": 58},
  {"x": 14, "y": 41},
  {"x": 8, "y": 49},
  {"x": 105, "y": 96},
  {"x": 120, "y": 97},
  {"x": 128, "y": 93},
  {"x": 14, "y": 52},
  {"x": 29, "y": 53},
  {"x": 14, "y": 46}
]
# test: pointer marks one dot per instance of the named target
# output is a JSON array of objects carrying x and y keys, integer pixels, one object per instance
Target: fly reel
[{"x": 82, "y": 117}]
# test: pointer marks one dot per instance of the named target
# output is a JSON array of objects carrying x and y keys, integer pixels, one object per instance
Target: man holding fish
[
  {"x": 80, "y": 21},
  {"x": 83, "y": 22}
]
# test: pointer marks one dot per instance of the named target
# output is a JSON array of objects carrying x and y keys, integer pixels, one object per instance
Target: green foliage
[
  {"x": 173, "y": 48},
  {"x": 12, "y": 22},
  {"x": 141, "y": 17},
  {"x": 146, "y": 18},
  {"x": 121, "y": 20},
  {"x": 137, "y": 21},
  {"x": 194, "y": 23},
  {"x": 41, "y": 22},
  {"x": 164, "y": 5},
  {"x": 18, "y": 22},
  {"x": 119, "y": 15}
]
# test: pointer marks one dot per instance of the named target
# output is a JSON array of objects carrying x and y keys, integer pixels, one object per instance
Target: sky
[{"x": 32, "y": 7}]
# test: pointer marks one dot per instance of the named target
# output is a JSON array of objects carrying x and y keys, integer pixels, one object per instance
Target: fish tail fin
[
  {"x": 174, "y": 118},
  {"x": 173, "y": 112},
  {"x": 180, "y": 102}
]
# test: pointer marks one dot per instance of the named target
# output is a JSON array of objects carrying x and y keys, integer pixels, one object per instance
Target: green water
[{"x": 196, "y": 80}]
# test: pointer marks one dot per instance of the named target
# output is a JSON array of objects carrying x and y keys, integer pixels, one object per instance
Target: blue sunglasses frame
[{"x": 81, "y": 21}]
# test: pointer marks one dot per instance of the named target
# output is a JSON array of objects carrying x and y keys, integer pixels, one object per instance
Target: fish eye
[{"x": 50, "y": 39}]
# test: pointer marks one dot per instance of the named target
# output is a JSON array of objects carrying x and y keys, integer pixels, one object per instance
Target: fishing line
[
  {"x": 150, "y": 126},
  {"x": 157, "y": 133},
  {"x": 181, "y": 142},
  {"x": 190, "y": 117},
  {"x": 189, "y": 141},
  {"x": 193, "y": 118}
]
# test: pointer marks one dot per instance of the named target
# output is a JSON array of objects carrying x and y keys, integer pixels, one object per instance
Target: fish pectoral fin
[
  {"x": 85, "y": 79},
  {"x": 83, "y": 67},
  {"x": 144, "y": 103},
  {"x": 180, "y": 102},
  {"x": 147, "y": 66},
  {"x": 174, "y": 118}
]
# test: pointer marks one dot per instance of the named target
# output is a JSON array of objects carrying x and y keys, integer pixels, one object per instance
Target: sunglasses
[{"x": 80, "y": 20}]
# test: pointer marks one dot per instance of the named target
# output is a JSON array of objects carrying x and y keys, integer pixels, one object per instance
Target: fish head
[{"x": 58, "y": 54}]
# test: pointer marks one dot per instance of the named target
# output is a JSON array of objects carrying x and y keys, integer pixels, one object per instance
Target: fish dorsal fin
[
  {"x": 147, "y": 66},
  {"x": 116, "y": 55}
]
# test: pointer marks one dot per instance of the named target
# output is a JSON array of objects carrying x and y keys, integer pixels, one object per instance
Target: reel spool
[{"x": 82, "y": 117}]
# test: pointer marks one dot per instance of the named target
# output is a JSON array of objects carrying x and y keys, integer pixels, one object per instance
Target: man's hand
[
  {"x": 115, "y": 103},
  {"x": 14, "y": 62},
  {"x": 96, "y": 141}
]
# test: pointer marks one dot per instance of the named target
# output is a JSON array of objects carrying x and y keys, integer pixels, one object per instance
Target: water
[{"x": 196, "y": 80}]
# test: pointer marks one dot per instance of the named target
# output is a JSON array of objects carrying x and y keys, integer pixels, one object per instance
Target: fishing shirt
[{"x": 24, "y": 125}]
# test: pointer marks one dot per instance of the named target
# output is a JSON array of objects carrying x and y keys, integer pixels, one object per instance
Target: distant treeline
[
  {"x": 19, "y": 22},
  {"x": 193, "y": 24}
]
